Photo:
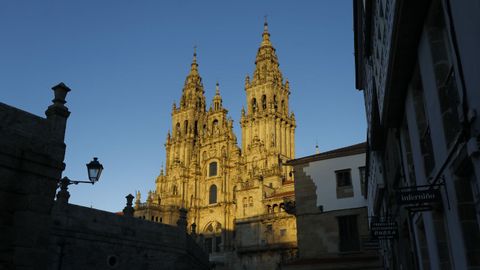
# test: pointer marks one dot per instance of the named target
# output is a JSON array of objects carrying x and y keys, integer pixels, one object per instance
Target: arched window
[
  {"x": 254, "y": 105},
  {"x": 275, "y": 101},
  {"x": 213, "y": 237},
  {"x": 264, "y": 102},
  {"x": 212, "y": 169},
  {"x": 283, "y": 105},
  {"x": 177, "y": 129},
  {"x": 215, "y": 124},
  {"x": 212, "y": 198},
  {"x": 185, "y": 124},
  {"x": 274, "y": 208},
  {"x": 250, "y": 201},
  {"x": 199, "y": 103},
  {"x": 174, "y": 190},
  {"x": 234, "y": 193}
]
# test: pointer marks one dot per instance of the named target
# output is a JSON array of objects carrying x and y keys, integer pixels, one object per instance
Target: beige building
[{"x": 235, "y": 197}]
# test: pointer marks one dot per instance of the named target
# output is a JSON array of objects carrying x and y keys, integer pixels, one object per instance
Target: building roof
[{"x": 340, "y": 152}]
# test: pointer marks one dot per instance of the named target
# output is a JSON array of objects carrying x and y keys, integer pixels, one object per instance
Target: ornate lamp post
[{"x": 94, "y": 169}]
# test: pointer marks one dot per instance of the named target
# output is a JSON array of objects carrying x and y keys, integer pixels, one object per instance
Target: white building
[
  {"x": 417, "y": 63},
  {"x": 330, "y": 206}
]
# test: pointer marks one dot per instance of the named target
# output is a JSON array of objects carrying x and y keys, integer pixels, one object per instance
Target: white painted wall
[{"x": 323, "y": 175}]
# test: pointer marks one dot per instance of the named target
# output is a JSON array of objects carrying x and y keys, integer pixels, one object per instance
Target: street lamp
[{"x": 94, "y": 169}]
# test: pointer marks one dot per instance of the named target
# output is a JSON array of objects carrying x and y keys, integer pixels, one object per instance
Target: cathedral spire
[
  {"x": 194, "y": 65},
  {"x": 266, "y": 63},
  {"x": 193, "y": 93},
  {"x": 266, "y": 34}
]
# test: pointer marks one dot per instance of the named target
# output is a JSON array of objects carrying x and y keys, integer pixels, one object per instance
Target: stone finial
[
  {"x": 60, "y": 91},
  {"x": 63, "y": 195},
  {"x": 247, "y": 81},
  {"x": 58, "y": 107},
  {"x": 128, "y": 210}
]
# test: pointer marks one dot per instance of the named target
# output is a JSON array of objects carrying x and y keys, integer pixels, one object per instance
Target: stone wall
[
  {"x": 31, "y": 162},
  {"x": 37, "y": 233},
  {"x": 85, "y": 238},
  {"x": 320, "y": 233}
]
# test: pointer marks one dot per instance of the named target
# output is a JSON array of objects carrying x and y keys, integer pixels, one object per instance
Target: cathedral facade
[{"x": 236, "y": 199}]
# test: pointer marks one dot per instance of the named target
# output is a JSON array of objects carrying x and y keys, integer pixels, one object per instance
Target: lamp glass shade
[{"x": 94, "y": 170}]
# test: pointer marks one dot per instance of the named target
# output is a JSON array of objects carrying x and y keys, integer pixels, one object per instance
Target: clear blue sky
[{"x": 126, "y": 63}]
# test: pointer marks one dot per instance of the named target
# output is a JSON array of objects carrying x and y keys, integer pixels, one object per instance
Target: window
[
  {"x": 254, "y": 105},
  {"x": 212, "y": 194},
  {"x": 250, "y": 201},
  {"x": 344, "y": 184},
  {"x": 213, "y": 237},
  {"x": 212, "y": 169},
  {"x": 423, "y": 127},
  {"x": 177, "y": 129},
  {"x": 343, "y": 178},
  {"x": 185, "y": 124},
  {"x": 264, "y": 102},
  {"x": 174, "y": 190},
  {"x": 361, "y": 171},
  {"x": 215, "y": 125},
  {"x": 443, "y": 69},
  {"x": 283, "y": 232},
  {"x": 234, "y": 193},
  {"x": 408, "y": 154},
  {"x": 245, "y": 203}
]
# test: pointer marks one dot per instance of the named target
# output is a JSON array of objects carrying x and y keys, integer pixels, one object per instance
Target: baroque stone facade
[{"x": 234, "y": 196}]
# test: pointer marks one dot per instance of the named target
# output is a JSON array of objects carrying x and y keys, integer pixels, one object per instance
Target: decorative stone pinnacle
[
  {"x": 60, "y": 91},
  {"x": 194, "y": 55},
  {"x": 128, "y": 210}
]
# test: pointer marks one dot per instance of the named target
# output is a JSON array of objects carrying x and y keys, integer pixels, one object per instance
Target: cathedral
[{"x": 238, "y": 200}]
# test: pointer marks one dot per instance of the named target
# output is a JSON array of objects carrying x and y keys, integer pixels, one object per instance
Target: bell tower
[
  {"x": 186, "y": 119},
  {"x": 268, "y": 118}
]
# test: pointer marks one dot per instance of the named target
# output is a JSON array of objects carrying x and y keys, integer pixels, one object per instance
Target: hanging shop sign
[
  {"x": 412, "y": 197},
  {"x": 384, "y": 229}
]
